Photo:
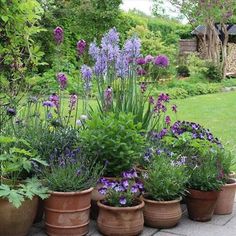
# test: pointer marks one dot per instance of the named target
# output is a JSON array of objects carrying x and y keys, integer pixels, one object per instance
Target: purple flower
[
  {"x": 79, "y": 123},
  {"x": 164, "y": 97},
  {"x": 139, "y": 185},
  {"x": 149, "y": 58},
  {"x": 162, "y": 133},
  {"x": 141, "y": 72},
  {"x": 119, "y": 188},
  {"x": 122, "y": 200},
  {"x": 129, "y": 174},
  {"x": 73, "y": 101},
  {"x": 102, "y": 191},
  {"x": 143, "y": 87},
  {"x": 110, "y": 38},
  {"x": 48, "y": 104},
  {"x": 174, "y": 108},
  {"x": 167, "y": 120},
  {"x": 11, "y": 111},
  {"x": 58, "y": 35},
  {"x": 151, "y": 100},
  {"x": 161, "y": 61},
  {"x": 81, "y": 45},
  {"x": 55, "y": 100},
  {"x": 108, "y": 97},
  {"x": 140, "y": 61},
  {"x": 122, "y": 65},
  {"x": 100, "y": 67},
  {"x": 134, "y": 189},
  {"x": 132, "y": 47},
  {"x": 94, "y": 51},
  {"x": 87, "y": 73},
  {"x": 78, "y": 172},
  {"x": 49, "y": 115},
  {"x": 125, "y": 183},
  {"x": 62, "y": 79}
]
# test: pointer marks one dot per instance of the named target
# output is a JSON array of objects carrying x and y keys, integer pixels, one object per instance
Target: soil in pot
[
  {"x": 67, "y": 213},
  {"x": 225, "y": 201},
  {"x": 120, "y": 221},
  {"x": 162, "y": 214},
  {"x": 201, "y": 204},
  {"x": 17, "y": 221}
]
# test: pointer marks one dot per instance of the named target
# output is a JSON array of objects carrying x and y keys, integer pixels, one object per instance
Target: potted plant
[
  {"x": 70, "y": 178},
  {"x": 225, "y": 201},
  {"x": 18, "y": 193},
  {"x": 121, "y": 212},
  {"x": 164, "y": 185}
]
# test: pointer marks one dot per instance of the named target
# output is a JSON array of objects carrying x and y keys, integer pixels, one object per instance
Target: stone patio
[{"x": 218, "y": 226}]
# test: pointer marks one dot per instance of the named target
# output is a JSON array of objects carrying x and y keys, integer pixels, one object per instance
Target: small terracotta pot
[
  {"x": 225, "y": 201},
  {"x": 17, "y": 221},
  {"x": 201, "y": 204},
  {"x": 120, "y": 221},
  {"x": 162, "y": 214},
  {"x": 67, "y": 213}
]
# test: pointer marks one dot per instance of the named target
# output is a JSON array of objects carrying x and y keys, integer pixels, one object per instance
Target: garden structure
[{"x": 197, "y": 44}]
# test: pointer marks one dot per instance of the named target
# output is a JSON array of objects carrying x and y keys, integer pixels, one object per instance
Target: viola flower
[
  {"x": 125, "y": 183},
  {"x": 81, "y": 45},
  {"x": 167, "y": 120},
  {"x": 134, "y": 189},
  {"x": 161, "y": 61},
  {"x": 11, "y": 111},
  {"x": 119, "y": 188},
  {"x": 102, "y": 191},
  {"x": 130, "y": 174},
  {"x": 62, "y": 79},
  {"x": 174, "y": 108},
  {"x": 73, "y": 101},
  {"x": 149, "y": 58},
  {"x": 58, "y": 35},
  {"x": 48, "y": 104},
  {"x": 122, "y": 200},
  {"x": 140, "y": 61},
  {"x": 143, "y": 87}
]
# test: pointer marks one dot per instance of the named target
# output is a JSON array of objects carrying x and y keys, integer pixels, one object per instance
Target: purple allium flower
[
  {"x": 55, "y": 100},
  {"x": 58, "y": 35},
  {"x": 164, "y": 97},
  {"x": 11, "y": 111},
  {"x": 140, "y": 61},
  {"x": 132, "y": 47},
  {"x": 151, "y": 100},
  {"x": 108, "y": 96},
  {"x": 122, "y": 65},
  {"x": 125, "y": 183},
  {"x": 73, "y": 101},
  {"x": 143, "y": 87},
  {"x": 161, "y": 61},
  {"x": 167, "y": 120},
  {"x": 94, "y": 51},
  {"x": 81, "y": 45},
  {"x": 134, "y": 189},
  {"x": 102, "y": 191},
  {"x": 62, "y": 79},
  {"x": 48, "y": 104},
  {"x": 100, "y": 67},
  {"x": 149, "y": 58},
  {"x": 122, "y": 200},
  {"x": 174, "y": 108},
  {"x": 141, "y": 72}
]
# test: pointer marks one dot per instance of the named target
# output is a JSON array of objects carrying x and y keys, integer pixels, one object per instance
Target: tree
[{"x": 215, "y": 15}]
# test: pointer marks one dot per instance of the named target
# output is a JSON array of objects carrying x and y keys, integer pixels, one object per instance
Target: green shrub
[
  {"x": 176, "y": 93},
  {"x": 183, "y": 71},
  {"x": 213, "y": 73}
]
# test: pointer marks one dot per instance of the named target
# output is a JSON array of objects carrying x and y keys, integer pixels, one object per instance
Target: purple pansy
[{"x": 122, "y": 200}]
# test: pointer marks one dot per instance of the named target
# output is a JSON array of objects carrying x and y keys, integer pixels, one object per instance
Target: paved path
[{"x": 218, "y": 226}]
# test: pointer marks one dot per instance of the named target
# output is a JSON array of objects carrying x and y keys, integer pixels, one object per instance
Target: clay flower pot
[
  {"x": 67, "y": 213},
  {"x": 17, "y": 221},
  {"x": 225, "y": 201},
  {"x": 120, "y": 221},
  {"x": 201, "y": 204},
  {"x": 162, "y": 214}
]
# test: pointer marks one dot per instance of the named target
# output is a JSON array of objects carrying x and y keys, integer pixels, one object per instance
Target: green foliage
[
  {"x": 30, "y": 188},
  {"x": 213, "y": 73},
  {"x": 183, "y": 70},
  {"x": 165, "y": 180},
  {"x": 114, "y": 139}
]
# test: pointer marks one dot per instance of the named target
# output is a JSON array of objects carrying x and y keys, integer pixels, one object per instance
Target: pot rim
[
  {"x": 162, "y": 202},
  {"x": 139, "y": 206},
  {"x": 197, "y": 190},
  {"x": 71, "y": 193},
  {"x": 228, "y": 185}
]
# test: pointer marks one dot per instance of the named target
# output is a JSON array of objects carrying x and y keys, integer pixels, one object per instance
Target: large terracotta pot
[
  {"x": 162, "y": 214},
  {"x": 67, "y": 213},
  {"x": 120, "y": 221},
  {"x": 225, "y": 201},
  {"x": 201, "y": 204},
  {"x": 17, "y": 221}
]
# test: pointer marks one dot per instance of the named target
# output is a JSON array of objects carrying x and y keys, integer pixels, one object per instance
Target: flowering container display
[
  {"x": 121, "y": 212},
  {"x": 164, "y": 184}
]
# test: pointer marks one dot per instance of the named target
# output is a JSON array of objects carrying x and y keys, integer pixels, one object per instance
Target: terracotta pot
[
  {"x": 67, "y": 213},
  {"x": 201, "y": 204},
  {"x": 162, "y": 214},
  {"x": 225, "y": 201},
  {"x": 96, "y": 196},
  {"x": 17, "y": 221},
  {"x": 120, "y": 221}
]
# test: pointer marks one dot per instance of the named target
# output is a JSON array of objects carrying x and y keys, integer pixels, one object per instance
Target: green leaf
[{"x": 5, "y": 18}]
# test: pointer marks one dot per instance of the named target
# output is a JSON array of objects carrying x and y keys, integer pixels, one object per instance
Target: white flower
[
  {"x": 83, "y": 117},
  {"x": 79, "y": 123}
]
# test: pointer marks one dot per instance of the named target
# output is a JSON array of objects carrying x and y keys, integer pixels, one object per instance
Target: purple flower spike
[
  {"x": 62, "y": 79},
  {"x": 167, "y": 120},
  {"x": 81, "y": 45},
  {"x": 122, "y": 201},
  {"x": 73, "y": 101},
  {"x": 48, "y": 104},
  {"x": 55, "y": 100},
  {"x": 143, "y": 87},
  {"x": 132, "y": 47},
  {"x": 11, "y": 111},
  {"x": 58, "y": 35},
  {"x": 174, "y": 108},
  {"x": 161, "y": 61},
  {"x": 141, "y": 72},
  {"x": 151, "y": 100}
]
